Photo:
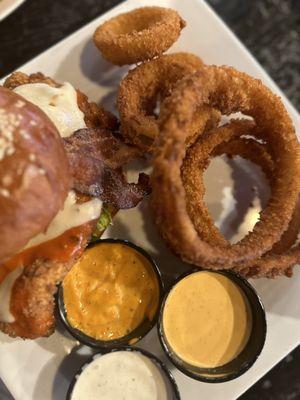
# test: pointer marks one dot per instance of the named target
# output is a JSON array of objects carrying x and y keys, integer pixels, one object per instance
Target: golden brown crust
[
  {"x": 32, "y": 300},
  {"x": 149, "y": 82},
  {"x": 34, "y": 171},
  {"x": 227, "y": 140},
  {"x": 138, "y": 35},
  {"x": 229, "y": 91},
  {"x": 194, "y": 165},
  {"x": 19, "y": 78},
  {"x": 94, "y": 115}
]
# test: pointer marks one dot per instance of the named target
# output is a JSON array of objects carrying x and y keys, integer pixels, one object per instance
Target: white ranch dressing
[
  {"x": 58, "y": 103},
  {"x": 5, "y": 293},
  {"x": 125, "y": 375}
]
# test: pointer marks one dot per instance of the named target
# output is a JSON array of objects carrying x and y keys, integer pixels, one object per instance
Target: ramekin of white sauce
[{"x": 127, "y": 374}]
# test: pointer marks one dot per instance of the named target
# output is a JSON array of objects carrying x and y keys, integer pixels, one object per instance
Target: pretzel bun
[{"x": 34, "y": 172}]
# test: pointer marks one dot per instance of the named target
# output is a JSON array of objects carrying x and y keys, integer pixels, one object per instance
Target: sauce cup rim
[
  {"x": 139, "y": 332},
  {"x": 161, "y": 365},
  {"x": 240, "y": 281}
]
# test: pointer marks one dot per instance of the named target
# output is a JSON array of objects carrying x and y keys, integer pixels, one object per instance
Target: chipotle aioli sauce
[
  {"x": 110, "y": 291},
  {"x": 207, "y": 319}
]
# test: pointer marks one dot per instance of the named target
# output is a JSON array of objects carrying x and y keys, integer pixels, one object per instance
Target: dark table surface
[{"x": 269, "y": 28}]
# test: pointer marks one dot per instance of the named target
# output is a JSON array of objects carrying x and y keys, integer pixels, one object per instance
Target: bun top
[{"x": 34, "y": 172}]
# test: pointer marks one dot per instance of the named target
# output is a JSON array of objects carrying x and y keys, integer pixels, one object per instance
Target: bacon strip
[{"x": 96, "y": 157}]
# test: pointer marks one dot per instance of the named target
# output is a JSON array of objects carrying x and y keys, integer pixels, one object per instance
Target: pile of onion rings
[
  {"x": 148, "y": 83},
  {"x": 280, "y": 259},
  {"x": 171, "y": 106},
  {"x": 188, "y": 235}
]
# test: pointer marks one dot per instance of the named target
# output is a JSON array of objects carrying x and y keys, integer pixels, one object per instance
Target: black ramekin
[
  {"x": 249, "y": 354},
  {"x": 169, "y": 379},
  {"x": 134, "y": 336}
]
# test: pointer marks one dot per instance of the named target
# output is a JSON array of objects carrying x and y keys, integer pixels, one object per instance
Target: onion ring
[
  {"x": 144, "y": 85},
  {"x": 195, "y": 162},
  {"x": 257, "y": 153},
  {"x": 281, "y": 257},
  {"x": 284, "y": 254},
  {"x": 273, "y": 265},
  {"x": 230, "y": 91},
  {"x": 138, "y": 35}
]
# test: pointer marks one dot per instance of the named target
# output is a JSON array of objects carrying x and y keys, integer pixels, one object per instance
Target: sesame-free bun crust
[{"x": 34, "y": 172}]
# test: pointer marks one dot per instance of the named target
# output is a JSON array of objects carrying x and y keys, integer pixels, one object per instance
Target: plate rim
[
  {"x": 9, "y": 8},
  {"x": 236, "y": 41},
  {"x": 292, "y": 109}
]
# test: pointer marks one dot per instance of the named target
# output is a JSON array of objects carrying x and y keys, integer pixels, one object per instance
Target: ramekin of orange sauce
[
  {"x": 112, "y": 295},
  {"x": 212, "y": 325}
]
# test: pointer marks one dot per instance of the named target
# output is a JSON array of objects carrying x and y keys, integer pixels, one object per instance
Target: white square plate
[
  {"x": 8, "y": 6},
  {"x": 41, "y": 369}
]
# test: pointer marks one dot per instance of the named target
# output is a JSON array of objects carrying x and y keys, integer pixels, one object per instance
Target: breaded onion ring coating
[
  {"x": 148, "y": 83},
  {"x": 229, "y": 91},
  {"x": 273, "y": 265},
  {"x": 226, "y": 140},
  {"x": 283, "y": 256},
  {"x": 216, "y": 142},
  {"x": 138, "y": 35}
]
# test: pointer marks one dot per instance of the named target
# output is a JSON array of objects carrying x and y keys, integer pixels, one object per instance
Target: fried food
[
  {"x": 34, "y": 169},
  {"x": 285, "y": 254},
  {"x": 196, "y": 161},
  {"x": 32, "y": 296},
  {"x": 138, "y": 35},
  {"x": 229, "y": 91},
  {"x": 150, "y": 83},
  {"x": 182, "y": 136},
  {"x": 96, "y": 157},
  {"x": 273, "y": 265},
  {"x": 43, "y": 266},
  {"x": 95, "y": 116},
  {"x": 227, "y": 140}
]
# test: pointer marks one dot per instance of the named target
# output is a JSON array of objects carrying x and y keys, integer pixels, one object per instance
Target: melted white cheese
[
  {"x": 120, "y": 375},
  {"x": 5, "y": 293},
  {"x": 59, "y": 103},
  {"x": 72, "y": 215}
]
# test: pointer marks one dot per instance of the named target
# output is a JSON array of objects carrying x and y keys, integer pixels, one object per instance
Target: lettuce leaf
[{"x": 104, "y": 221}]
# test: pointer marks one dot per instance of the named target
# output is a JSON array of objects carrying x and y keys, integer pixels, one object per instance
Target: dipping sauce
[
  {"x": 207, "y": 319},
  {"x": 110, "y": 291},
  {"x": 125, "y": 375}
]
